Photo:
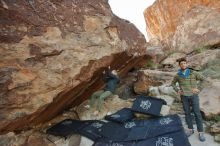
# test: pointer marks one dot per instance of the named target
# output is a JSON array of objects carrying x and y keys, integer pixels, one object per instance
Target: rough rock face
[
  {"x": 210, "y": 99},
  {"x": 160, "y": 76},
  {"x": 164, "y": 16},
  {"x": 198, "y": 28},
  {"x": 52, "y": 51}
]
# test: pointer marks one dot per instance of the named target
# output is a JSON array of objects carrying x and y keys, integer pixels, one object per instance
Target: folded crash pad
[
  {"x": 148, "y": 105},
  {"x": 66, "y": 127}
]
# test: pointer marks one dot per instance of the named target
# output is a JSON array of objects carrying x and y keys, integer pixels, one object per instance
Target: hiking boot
[
  {"x": 189, "y": 132},
  {"x": 201, "y": 137}
]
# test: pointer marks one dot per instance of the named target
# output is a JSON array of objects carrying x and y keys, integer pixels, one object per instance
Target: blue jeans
[{"x": 194, "y": 99}]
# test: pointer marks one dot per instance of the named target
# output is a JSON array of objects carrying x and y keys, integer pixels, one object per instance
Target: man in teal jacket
[{"x": 188, "y": 90}]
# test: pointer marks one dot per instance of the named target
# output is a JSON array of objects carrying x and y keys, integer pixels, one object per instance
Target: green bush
[
  {"x": 152, "y": 65},
  {"x": 217, "y": 118},
  {"x": 200, "y": 49}
]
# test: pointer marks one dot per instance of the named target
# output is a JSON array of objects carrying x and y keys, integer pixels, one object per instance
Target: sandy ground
[{"x": 209, "y": 140}]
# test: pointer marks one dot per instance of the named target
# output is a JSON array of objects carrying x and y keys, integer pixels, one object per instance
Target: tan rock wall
[{"x": 163, "y": 17}]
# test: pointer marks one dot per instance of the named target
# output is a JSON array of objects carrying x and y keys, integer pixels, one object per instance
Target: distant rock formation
[{"x": 184, "y": 25}]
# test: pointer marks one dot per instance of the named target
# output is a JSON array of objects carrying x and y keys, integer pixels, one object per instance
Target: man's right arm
[{"x": 173, "y": 84}]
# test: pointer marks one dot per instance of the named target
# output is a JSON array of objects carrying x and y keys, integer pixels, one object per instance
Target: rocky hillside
[{"x": 51, "y": 51}]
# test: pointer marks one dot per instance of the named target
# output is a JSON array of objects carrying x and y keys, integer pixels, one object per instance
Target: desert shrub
[
  {"x": 212, "y": 69},
  {"x": 200, "y": 49}
]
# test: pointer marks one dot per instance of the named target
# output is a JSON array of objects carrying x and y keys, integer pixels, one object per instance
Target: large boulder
[
  {"x": 163, "y": 17},
  {"x": 210, "y": 99},
  {"x": 143, "y": 83},
  {"x": 50, "y": 50},
  {"x": 160, "y": 76}
]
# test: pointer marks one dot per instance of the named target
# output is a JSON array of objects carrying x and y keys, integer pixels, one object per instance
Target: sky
[{"x": 132, "y": 10}]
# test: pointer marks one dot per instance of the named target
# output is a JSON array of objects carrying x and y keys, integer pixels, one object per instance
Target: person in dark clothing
[
  {"x": 189, "y": 90},
  {"x": 112, "y": 80}
]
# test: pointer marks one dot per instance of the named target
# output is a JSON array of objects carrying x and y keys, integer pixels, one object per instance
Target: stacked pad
[
  {"x": 140, "y": 129},
  {"x": 135, "y": 133},
  {"x": 160, "y": 126},
  {"x": 170, "y": 139},
  {"x": 148, "y": 105},
  {"x": 165, "y": 131}
]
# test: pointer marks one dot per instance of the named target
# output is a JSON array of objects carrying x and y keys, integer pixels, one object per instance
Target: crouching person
[{"x": 112, "y": 80}]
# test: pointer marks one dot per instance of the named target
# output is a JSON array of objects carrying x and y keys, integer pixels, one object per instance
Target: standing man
[{"x": 188, "y": 90}]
